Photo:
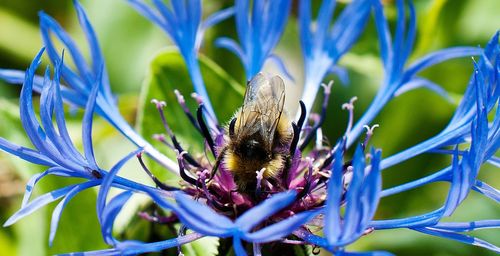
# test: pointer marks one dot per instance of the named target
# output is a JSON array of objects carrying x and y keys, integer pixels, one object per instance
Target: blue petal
[
  {"x": 27, "y": 154},
  {"x": 349, "y": 26},
  {"x": 418, "y": 82},
  {"x": 12, "y": 76},
  {"x": 232, "y": 46},
  {"x": 487, "y": 190},
  {"x": 281, "y": 66},
  {"x": 37, "y": 177},
  {"x": 333, "y": 222},
  {"x": 280, "y": 229},
  {"x": 264, "y": 210},
  {"x": 384, "y": 35},
  {"x": 467, "y": 226},
  {"x": 352, "y": 216},
  {"x": 202, "y": 218},
  {"x": 87, "y": 125},
  {"x": 218, "y": 17},
  {"x": 56, "y": 214},
  {"x": 108, "y": 181},
  {"x": 374, "y": 253},
  {"x": 460, "y": 237},
  {"x": 47, "y": 25},
  {"x": 238, "y": 247},
  {"x": 108, "y": 216},
  {"x": 423, "y": 220},
  {"x": 97, "y": 57},
  {"x": 438, "y": 57},
  {"x": 38, "y": 203},
  {"x": 342, "y": 73}
]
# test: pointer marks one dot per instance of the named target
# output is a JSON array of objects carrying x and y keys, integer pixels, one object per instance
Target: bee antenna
[
  {"x": 204, "y": 129},
  {"x": 231, "y": 127}
]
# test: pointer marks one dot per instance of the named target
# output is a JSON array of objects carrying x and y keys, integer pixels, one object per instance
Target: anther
[
  {"x": 199, "y": 100},
  {"x": 182, "y": 102},
  {"x": 350, "y": 107},
  {"x": 161, "y": 138},
  {"x": 369, "y": 134},
  {"x": 159, "y": 104},
  {"x": 327, "y": 88},
  {"x": 197, "y": 97}
]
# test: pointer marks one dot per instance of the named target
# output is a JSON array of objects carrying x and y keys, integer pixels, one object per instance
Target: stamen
[
  {"x": 369, "y": 134},
  {"x": 350, "y": 107},
  {"x": 204, "y": 130},
  {"x": 319, "y": 139},
  {"x": 327, "y": 90},
  {"x": 161, "y": 138},
  {"x": 199, "y": 100},
  {"x": 184, "y": 175},
  {"x": 217, "y": 163},
  {"x": 260, "y": 177},
  {"x": 197, "y": 97},
  {"x": 202, "y": 177},
  {"x": 182, "y": 102},
  {"x": 150, "y": 174},
  {"x": 160, "y": 105}
]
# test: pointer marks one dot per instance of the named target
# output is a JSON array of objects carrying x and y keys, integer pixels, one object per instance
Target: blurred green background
[{"x": 129, "y": 43}]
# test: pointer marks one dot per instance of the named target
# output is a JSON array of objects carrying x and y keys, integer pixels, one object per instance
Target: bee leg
[
  {"x": 204, "y": 129},
  {"x": 150, "y": 174},
  {"x": 217, "y": 163}
]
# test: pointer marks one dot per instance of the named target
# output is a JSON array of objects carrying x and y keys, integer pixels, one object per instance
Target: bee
[{"x": 259, "y": 134}]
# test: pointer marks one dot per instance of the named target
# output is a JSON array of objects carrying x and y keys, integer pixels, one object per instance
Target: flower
[
  {"x": 54, "y": 147},
  {"x": 325, "y": 46},
  {"x": 317, "y": 189},
  {"x": 80, "y": 82},
  {"x": 183, "y": 24}
]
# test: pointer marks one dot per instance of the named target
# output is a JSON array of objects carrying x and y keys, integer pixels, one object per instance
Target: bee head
[{"x": 252, "y": 149}]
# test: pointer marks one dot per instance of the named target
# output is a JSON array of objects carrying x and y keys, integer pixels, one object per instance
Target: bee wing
[{"x": 262, "y": 107}]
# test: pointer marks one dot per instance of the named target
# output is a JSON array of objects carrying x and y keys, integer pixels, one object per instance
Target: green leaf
[
  {"x": 168, "y": 72},
  {"x": 204, "y": 246}
]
